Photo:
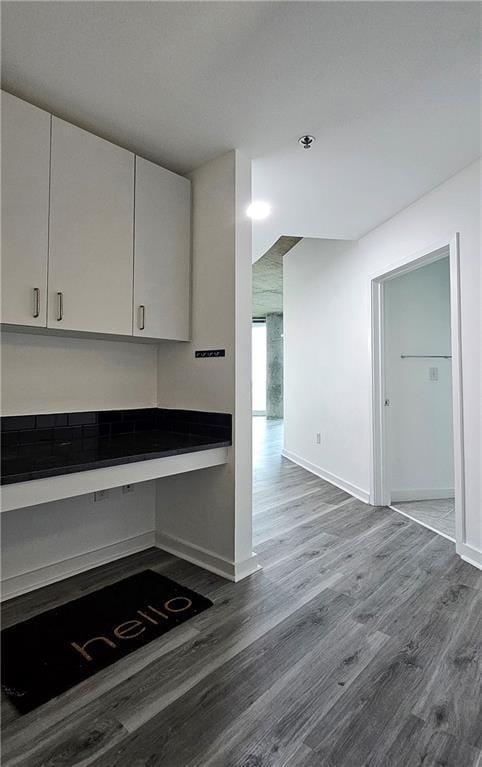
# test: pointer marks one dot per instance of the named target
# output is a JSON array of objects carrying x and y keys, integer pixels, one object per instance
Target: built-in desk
[{"x": 50, "y": 457}]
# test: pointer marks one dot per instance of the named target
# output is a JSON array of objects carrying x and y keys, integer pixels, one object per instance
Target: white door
[
  {"x": 91, "y": 233},
  {"x": 162, "y": 253},
  {"x": 25, "y": 211}
]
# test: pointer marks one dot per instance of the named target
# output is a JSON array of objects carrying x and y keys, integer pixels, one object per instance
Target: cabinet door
[
  {"x": 25, "y": 211},
  {"x": 91, "y": 233},
  {"x": 162, "y": 253}
]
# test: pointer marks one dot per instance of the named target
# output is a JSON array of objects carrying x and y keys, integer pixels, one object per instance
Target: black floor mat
[{"x": 46, "y": 655}]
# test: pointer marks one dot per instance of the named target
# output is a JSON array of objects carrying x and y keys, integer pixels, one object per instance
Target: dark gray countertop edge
[{"x": 12, "y": 479}]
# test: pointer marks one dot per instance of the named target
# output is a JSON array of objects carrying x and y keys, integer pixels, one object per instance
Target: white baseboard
[
  {"x": 343, "y": 484},
  {"x": 31, "y": 580},
  {"x": 232, "y": 571},
  {"x": 470, "y": 554},
  {"x": 425, "y": 494},
  {"x": 42, "y": 576},
  {"x": 246, "y": 567}
]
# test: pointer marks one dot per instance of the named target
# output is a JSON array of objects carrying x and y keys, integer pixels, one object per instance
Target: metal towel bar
[{"x": 425, "y": 356}]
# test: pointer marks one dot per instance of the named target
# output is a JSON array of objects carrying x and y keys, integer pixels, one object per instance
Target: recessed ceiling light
[{"x": 258, "y": 210}]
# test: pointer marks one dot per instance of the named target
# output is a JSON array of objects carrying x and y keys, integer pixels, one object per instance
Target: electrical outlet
[
  {"x": 433, "y": 374},
  {"x": 127, "y": 489},
  {"x": 318, "y": 438},
  {"x": 100, "y": 495}
]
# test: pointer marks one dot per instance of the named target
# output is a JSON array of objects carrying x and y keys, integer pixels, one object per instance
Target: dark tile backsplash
[
  {"x": 17, "y": 422},
  {"x": 41, "y": 446},
  {"x": 80, "y": 419}
]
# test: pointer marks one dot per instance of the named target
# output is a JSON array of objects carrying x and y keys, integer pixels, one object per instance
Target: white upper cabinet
[
  {"x": 70, "y": 259},
  {"x": 25, "y": 212},
  {"x": 91, "y": 233},
  {"x": 162, "y": 253}
]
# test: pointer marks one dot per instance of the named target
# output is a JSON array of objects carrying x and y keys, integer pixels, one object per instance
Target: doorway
[{"x": 417, "y": 420}]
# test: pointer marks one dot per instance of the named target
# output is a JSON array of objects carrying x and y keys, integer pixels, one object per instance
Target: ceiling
[
  {"x": 268, "y": 278},
  {"x": 390, "y": 90},
  {"x": 364, "y": 169}
]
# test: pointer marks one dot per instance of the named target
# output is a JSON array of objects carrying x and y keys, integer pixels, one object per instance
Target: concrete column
[{"x": 274, "y": 366}]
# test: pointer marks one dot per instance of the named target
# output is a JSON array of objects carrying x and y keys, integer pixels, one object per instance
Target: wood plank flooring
[{"x": 358, "y": 645}]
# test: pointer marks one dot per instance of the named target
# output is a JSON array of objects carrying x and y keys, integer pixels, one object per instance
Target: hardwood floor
[{"x": 358, "y": 645}]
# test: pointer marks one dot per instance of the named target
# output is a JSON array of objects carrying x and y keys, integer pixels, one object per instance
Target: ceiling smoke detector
[{"x": 306, "y": 141}]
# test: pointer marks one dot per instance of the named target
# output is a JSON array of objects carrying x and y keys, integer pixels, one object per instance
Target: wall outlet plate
[{"x": 100, "y": 495}]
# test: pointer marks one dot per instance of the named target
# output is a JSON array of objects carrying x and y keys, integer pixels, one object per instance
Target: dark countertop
[{"x": 79, "y": 442}]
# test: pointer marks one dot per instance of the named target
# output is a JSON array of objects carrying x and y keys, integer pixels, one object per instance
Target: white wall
[
  {"x": 44, "y": 374},
  {"x": 419, "y": 419},
  {"x": 207, "y": 515},
  {"x": 327, "y": 336},
  {"x": 54, "y": 540},
  {"x": 325, "y": 361}
]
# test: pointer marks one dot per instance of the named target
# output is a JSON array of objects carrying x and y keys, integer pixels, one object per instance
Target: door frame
[{"x": 379, "y": 491}]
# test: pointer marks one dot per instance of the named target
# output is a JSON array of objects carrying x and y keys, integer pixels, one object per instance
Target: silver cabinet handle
[
  {"x": 142, "y": 317},
  {"x": 36, "y": 302},
  {"x": 60, "y": 306}
]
